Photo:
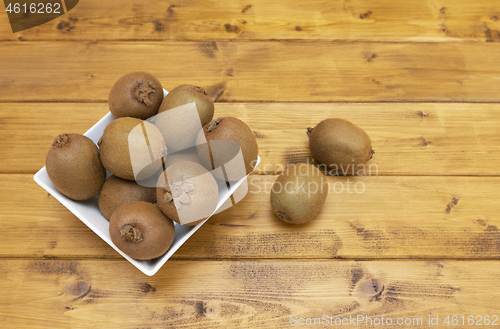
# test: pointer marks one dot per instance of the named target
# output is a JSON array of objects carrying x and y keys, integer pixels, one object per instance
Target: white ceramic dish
[{"x": 88, "y": 211}]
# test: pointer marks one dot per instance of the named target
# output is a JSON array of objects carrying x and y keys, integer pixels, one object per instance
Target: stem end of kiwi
[
  {"x": 213, "y": 125},
  {"x": 284, "y": 217},
  {"x": 130, "y": 233},
  {"x": 61, "y": 140},
  {"x": 309, "y": 131},
  {"x": 142, "y": 90},
  {"x": 201, "y": 90},
  {"x": 168, "y": 196}
]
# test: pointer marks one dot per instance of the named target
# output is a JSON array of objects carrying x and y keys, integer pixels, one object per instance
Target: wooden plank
[
  {"x": 416, "y": 21},
  {"x": 256, "y": 71},
  {"x": 246, "y": 294},
  {"x": 409, "y": 139},
  {"x": 27, "y": 130},
  {"x": 372, "y": 217}
]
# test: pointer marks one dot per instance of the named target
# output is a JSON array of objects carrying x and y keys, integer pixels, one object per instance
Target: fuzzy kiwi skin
[
  {"x": 140, "y": 230},
  {"x": 74, "y": 166},
  {"x": 185, "y": 94},
  {"x": 137, "y": 94},
  {"x": 201, "y": 200},
  {"x": 114, "y": 148},
  {"x": 117, "y": 191},
  {"x": 188, "y": 155},
  {"x": 340, "y": 144},
  {"x": 298, "y": 195},
  {"x": 231, "y": 129},
  {"x": 180, "y": 127}
]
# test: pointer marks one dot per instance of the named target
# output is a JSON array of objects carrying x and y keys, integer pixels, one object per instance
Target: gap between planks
[
  {"x": 280, "y": 172},
  {"x": 163, "y": 41},
  {"x": 233, "y": 259},
  {"x": 251, "y": 101}
]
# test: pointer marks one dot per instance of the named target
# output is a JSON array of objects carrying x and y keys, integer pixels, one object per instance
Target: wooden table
[{"x": 421, "y": 77}]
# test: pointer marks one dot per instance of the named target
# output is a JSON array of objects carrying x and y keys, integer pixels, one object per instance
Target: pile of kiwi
[
  {"x": 164, "y": 166},
  {"x": 159, "y": 172},
  {"x": 298, "y": 196}
]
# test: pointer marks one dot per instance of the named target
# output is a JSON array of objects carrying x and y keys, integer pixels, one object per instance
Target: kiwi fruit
[
  {"x": 187, "y": 193},
  {"x": 340, "y": 144},
  {"x": 214, "y": 153},
  {"x": 180, "y": 126},
  {"x": 185, "y": 94},
  {"x": 188, "y": 155},
  {"x": 124, "y": 140},
  {"x": 74, "y": 167},
  {"x": 141, "y": 231},
  {"x": 298, "y": 195},
  {"x": 117, "y": 191},
  {"x": 137, "y": 94}
]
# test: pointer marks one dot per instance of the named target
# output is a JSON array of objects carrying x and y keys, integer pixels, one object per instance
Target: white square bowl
[{"x": 88, "y": 211}]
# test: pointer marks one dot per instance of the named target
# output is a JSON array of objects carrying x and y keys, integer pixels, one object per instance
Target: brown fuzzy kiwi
[
  {"x": 137, "y": 94},
  {"x": 180, "y": 127},
  {"x": 141, "y": 231},
  {"x": 340, "y": 144},
  {"x": 227, "y": 129},
  {"x": 125, "y": 136},
  {"x": 185, "y": 94},
  {"x": 188, "y": 155},
  {"x": 117, "y": 191},
  {"x": 187, "y": 193},
  {"x": 299, "y": 193},
  {"x": 74, "y": 167}
]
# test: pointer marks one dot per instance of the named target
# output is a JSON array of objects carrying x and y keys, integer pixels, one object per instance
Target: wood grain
[
  {"x": 242, "y": 294},
  {"x": 421, "y": 77},
  {"x": 241, "y": 71},
  {"x": 27, "y": 130},
  {"x": 385, "y": 20},
  {"x": 409, "y": 139},
  {"x": 372, "y": 217}
]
